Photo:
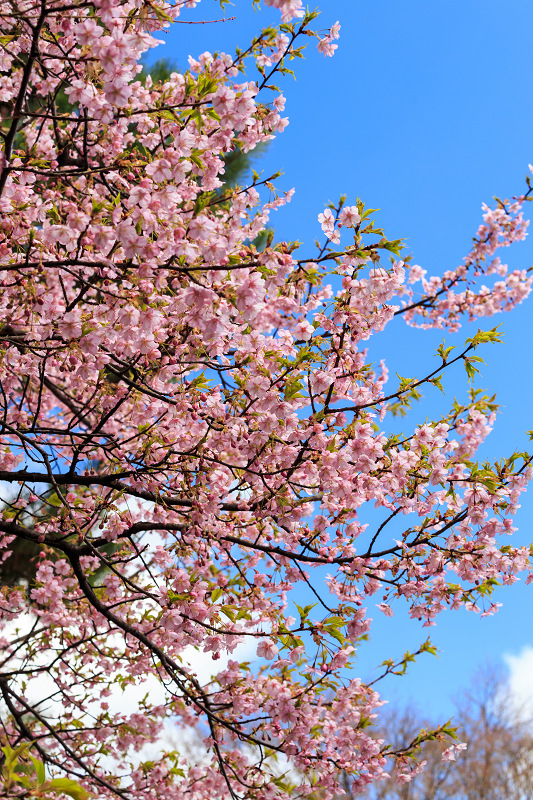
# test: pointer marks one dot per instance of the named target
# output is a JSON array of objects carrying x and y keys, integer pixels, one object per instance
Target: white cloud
[
  {"x": 201, "y": 665},
  {"x": 521, "y": 679}
]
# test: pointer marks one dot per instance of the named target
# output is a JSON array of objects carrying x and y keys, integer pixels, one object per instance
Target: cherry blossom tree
[{"x": 193, "y": 433}]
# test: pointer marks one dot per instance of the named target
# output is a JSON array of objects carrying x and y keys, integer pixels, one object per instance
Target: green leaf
[
  {"x": 164, "y": 113},
  {"x": 471, "y": 371},
  {"x": 427, "y": 647},
  {"x": 39, "y": 769},
  {"x": 336, "y": 634},
  {"x": 228, "y": 612},
  {"x": 201, "y": 202},
  {"x": 444, "y": 352},
  {"x": 437, "y": 381},
  {"x": 66, "y": 786},
  {"x": 293, "y": 389},
  {"x": 482, "y": 337},
  {"x": 305, "y": 611},
  {"x": 393, "y": 246}
]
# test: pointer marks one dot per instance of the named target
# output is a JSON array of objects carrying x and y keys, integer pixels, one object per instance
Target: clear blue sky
[{"x": 424, "y": 112}]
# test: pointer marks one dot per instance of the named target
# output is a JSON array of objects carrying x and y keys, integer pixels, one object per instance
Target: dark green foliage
[
  {"x": 238, "y": 165},
  {"x": 20, "y": 567},
  {"x": 264, "y": 239},
  {"x": 160, "y": 71}
]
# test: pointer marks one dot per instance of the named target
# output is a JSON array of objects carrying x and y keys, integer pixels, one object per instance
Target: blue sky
[{"x": 425, "y": 112}]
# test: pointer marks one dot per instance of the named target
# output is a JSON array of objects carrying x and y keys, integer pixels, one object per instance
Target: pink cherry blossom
[
  {"x": 267, "y": 649},
  {"x": 350, "y": 217},
  {"x": 325, "y": 44}
]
